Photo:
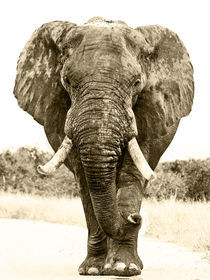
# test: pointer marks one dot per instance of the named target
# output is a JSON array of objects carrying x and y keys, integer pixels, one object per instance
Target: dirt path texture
[{"x": 44, "y": 251}]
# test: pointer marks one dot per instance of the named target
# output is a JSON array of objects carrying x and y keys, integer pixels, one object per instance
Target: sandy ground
[{"x": 43, "y": 251}]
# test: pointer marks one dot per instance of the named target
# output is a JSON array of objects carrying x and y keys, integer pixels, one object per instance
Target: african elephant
[{"x": 110, "y": 99}]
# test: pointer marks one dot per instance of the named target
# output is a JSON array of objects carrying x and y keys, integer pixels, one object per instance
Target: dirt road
[{"x": 43, "y": 251}]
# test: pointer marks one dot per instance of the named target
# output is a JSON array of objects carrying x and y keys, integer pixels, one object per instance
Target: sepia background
[
  {"x": 189, "y": 19},
  {"x": 30, "y": 249}
]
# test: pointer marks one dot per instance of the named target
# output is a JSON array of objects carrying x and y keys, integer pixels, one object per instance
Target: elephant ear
[
  {"x": 38, "y": 87},
  {"x": 168, "y": 94}
]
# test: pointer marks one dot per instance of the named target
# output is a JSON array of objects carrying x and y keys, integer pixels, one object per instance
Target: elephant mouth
[{"x": 66, "y": 146}]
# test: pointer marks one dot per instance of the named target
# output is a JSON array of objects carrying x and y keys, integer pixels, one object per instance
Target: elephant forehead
[
  {"x": 114, "y": 33},
  {"x": 104, "y": 47}
]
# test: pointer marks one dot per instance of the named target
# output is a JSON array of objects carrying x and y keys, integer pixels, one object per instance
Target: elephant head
[{"x": 101, "y": 89}]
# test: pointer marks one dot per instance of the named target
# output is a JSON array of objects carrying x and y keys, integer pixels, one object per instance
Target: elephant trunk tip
[{"x": 135, "y": 219}]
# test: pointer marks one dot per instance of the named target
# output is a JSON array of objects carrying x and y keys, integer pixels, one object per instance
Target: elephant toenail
[
  {"x": 107, "y": 266},
  {"x": 120, "y": 266},
  {"x": 93, "y": 271},
  {"x": 81, "y": 271},
  {"x": 133, "y": 266}
]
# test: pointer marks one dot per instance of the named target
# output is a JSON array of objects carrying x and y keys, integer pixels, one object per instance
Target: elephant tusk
[
  {"x": 58, "y": 158},
  {"x": 139, "y": 160}
]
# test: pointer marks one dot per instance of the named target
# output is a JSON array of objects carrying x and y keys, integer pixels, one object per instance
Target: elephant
[{"x": 110, "y": 98}]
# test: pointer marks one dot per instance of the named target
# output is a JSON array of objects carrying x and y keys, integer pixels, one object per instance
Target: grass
[
  {"x": 28, "y": 207},
  {"x": 184, "y": 223}
]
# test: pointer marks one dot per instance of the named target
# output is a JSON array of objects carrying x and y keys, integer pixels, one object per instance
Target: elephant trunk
[
  {"x": 101, "y": 125},
  {"x": 100, "y": 173},
  {"x": 99, "y": 137}
]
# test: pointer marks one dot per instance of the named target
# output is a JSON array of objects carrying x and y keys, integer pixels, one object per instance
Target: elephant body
[{"x": 100, "y": 85}]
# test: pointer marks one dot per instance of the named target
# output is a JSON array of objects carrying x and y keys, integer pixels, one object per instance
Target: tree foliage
[
  {"x": 18, "y": 173},
  {"x": 180, "y": 179}
]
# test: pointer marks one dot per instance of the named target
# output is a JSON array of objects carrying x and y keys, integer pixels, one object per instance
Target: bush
[
  {"x": 180, "y": 179},
  {"x": 197, "y": 179},
  {"x": 166, "y": 185},
  {"x": 18, "y": 174}
]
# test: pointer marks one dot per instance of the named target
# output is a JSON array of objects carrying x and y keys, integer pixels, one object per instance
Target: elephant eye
[
  {"x": 137, "y": 83},
  {"x": 67, "y": 81}
]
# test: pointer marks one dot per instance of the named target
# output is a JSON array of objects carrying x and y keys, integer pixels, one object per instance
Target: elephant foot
[
  {"x": 122, "y": 261},
  {"x": 92, "y": 265}
]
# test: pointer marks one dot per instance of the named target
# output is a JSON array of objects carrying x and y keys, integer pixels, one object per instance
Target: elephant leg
[
  {"x": 122, "y": 257},
  {"x": 97, "y": 240}
]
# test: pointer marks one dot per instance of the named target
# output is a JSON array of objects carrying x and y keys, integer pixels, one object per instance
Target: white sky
[{"x": 189, "y": 19}]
